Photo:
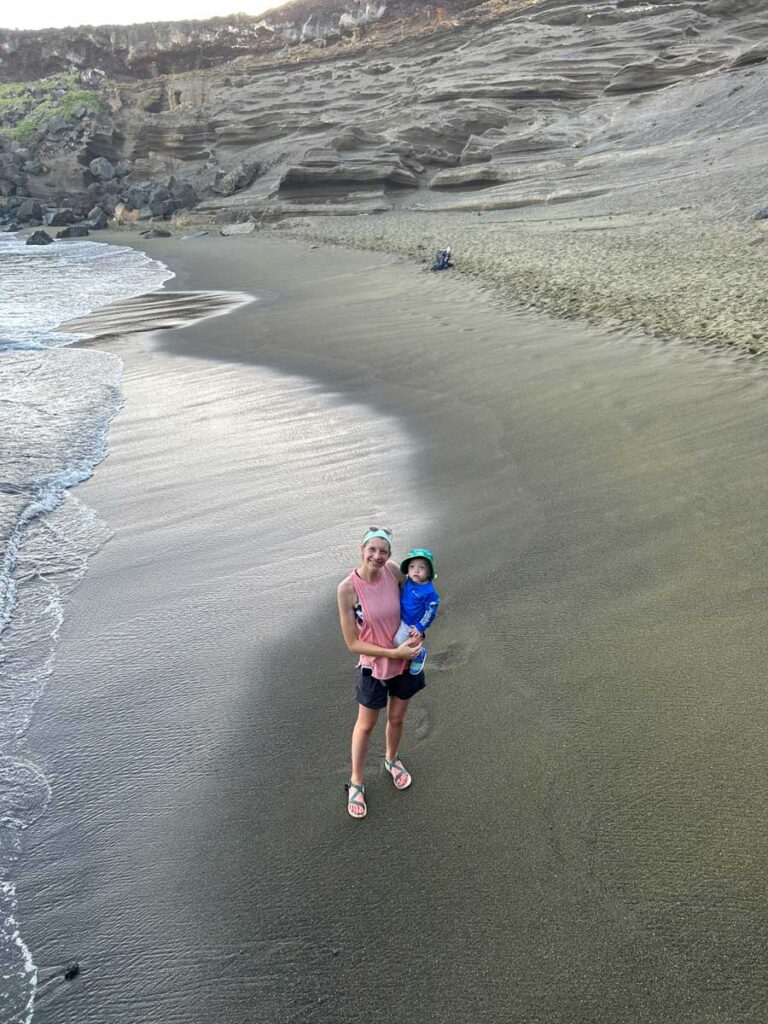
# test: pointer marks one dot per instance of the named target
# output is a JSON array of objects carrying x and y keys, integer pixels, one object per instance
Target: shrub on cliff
[{"x": 29, "y": 108}]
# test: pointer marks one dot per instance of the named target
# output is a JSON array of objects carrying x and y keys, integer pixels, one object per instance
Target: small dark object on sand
[
  {"x": 442, "y": 259},
  {"x": 71, "y": 971},
  {"x": 762, "y": 214},
  {"x": 155, "y": 233}
]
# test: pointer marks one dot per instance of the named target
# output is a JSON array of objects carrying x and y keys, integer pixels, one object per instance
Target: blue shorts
[{"x": 374, "y": 693}]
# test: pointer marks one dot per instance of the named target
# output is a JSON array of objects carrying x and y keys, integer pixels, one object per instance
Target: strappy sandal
[
  {"x": 400, "y": 776},
  {"x": 353, "y": 799}
]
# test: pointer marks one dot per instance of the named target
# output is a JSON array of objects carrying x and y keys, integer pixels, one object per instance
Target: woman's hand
[{"x": 408, "y": 649}]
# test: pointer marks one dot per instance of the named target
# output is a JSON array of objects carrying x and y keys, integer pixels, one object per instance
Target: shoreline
[{"x": 198, "y": 858}]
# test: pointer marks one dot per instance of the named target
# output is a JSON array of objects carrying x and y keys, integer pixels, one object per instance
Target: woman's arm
[{"x": 346, "y": 596}]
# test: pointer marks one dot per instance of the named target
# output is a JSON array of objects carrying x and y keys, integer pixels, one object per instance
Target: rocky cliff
[
  {"x": 159, "y": 48},
  {"x": 491, "y": 106}
]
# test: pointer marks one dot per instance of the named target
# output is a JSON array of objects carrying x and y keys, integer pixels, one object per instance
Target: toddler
[{"x": 418, "y": 599}]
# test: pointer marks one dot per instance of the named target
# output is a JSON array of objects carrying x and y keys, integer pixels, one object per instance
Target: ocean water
[{"x": 55, "y": 406}]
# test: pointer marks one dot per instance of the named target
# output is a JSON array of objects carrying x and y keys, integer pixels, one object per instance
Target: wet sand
[{"x": 585, "y": 837}]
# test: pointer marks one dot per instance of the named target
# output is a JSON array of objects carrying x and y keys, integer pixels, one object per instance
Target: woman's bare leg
[
  {"x": 361, "y": 736},
  {"x": 396, "y": 711}
]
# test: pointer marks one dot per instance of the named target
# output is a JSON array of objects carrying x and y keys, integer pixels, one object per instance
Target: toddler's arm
[{"x": 428, "y": 611}]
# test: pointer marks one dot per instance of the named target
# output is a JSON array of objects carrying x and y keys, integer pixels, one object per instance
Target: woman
[{"x": 369, "y": 610}]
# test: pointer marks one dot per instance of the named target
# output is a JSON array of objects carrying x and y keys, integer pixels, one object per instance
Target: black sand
[{"x": 585, "y": 837}]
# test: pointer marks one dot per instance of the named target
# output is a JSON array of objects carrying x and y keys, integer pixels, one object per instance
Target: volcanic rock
[
  {"x": 29, "y": 210},
  {"x": 97, "y": 219},
  {"x": 101, "y": 169},
  {"x": 39, "y": 238},
  {"x": 235, "y": 180},
  {"x": 61, "y": 217},
  {"x": 245, "y": 228}
]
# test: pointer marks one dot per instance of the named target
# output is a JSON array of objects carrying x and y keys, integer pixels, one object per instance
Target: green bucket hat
[{"x": 418, "y": 553}]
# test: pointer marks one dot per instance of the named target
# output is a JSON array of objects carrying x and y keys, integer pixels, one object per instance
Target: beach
[{"x": 584, "y": 840}]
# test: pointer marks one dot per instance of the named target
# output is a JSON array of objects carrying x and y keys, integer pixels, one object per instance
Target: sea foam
[{"x": 55, "y": 406}]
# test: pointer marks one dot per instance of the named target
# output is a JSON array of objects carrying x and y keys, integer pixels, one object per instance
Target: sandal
[
  {"x": 400, "y": 776},
  {"x": 354, "y": 800}
]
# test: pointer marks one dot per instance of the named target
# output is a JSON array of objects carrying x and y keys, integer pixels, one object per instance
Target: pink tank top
[{"x": 380, "y": 604}]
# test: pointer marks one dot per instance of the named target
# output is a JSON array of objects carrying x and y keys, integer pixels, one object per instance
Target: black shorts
[{"x": 373, "y": 693}]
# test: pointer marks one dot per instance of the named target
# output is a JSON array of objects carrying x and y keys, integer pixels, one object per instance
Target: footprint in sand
[
  {"x": 419, "y": 722},
  {"x": 451, "y": 656}
]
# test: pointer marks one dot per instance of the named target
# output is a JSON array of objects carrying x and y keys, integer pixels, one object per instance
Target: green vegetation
[{"x": 26, "y": 107}]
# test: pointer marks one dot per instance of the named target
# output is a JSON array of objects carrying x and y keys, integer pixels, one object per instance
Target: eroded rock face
[
  {"x": 315, "y": 178},
  {"x": 468, "y": 107}
]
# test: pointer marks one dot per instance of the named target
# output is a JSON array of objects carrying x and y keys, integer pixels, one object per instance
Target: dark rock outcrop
[
  {"x": 160, "y": 48},
  {"x": 226, "y": 183},
  {"x": 60, "y": 218},
  {"x": 101, "y": 169},
  {"x": 39, "y": 238},
  {"x": 30, "y": 210}
]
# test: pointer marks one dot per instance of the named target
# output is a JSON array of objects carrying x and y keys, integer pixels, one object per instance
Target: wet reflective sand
[{"x": 585, "y": 837}]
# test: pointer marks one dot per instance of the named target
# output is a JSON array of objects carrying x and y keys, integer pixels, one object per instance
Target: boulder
[
  {"x": 39, "y": 238},
  {"x": 762, "y": 214},
  {"x": 56, "y": 128},
  {"x": 97, "y": 219},
  {"x": 125, "y": 215},
  {"x": 108, "y": 204},
  {"x": 73, "y": 231},
  {"x": 184, "y": 194},
  {"x": 246, "y": 227},
  {"x": 138, "y": 195},
  {"x": 226, "y": 183},
  {"x": 101, "y": 169},
  {"x": 159, "y": 194},
  {"x": 161, "y": 203},
  {"x": 29, "y": 210},
  {"x": 80, "y": 203},
  {"x": 61, "y": 217}
]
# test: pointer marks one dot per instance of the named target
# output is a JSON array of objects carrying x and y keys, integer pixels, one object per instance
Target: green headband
[{"x": 384, "y": 534}]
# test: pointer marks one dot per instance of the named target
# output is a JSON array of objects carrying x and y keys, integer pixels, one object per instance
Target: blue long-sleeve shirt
[{"x": 418, "y": 604}]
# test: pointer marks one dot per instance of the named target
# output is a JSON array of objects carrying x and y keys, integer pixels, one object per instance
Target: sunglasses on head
[{"x": 379, "y": 529}]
